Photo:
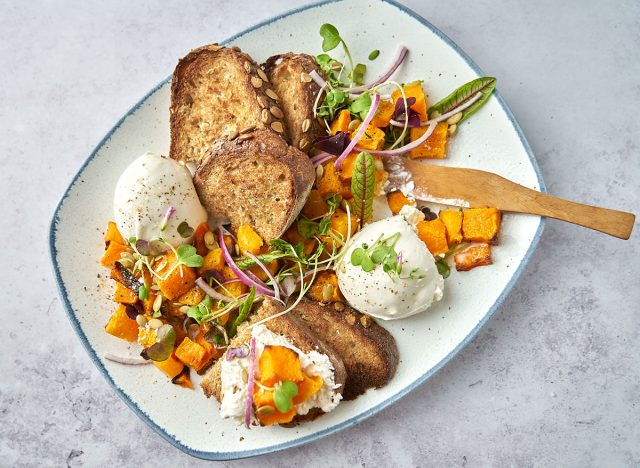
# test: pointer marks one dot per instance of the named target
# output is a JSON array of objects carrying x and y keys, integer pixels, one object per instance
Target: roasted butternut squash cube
[
  {"x": 113, "y": 234},
  {"x": 452, "y": 220},
  {"x": 294, "y": 238},
  {"x": 112, "y": 254},
  {"x": 434, "y": 235},
  {"x": 249, "y": 240},
  {"x": 124, "y": 295},
  {"x": 236, "y": 288},
  {"x": 473, "y": 256},
  {"x": 330, "y": 182},
  {"x": 383, "y": 114},
  {"x": 434, "y": 147},
  {"x": 259, "y": 272},
  {"x": 397, "y": 200},
  {"x": 191, "y": 353},
  {"x": 213, "y": 260},
  {"x": 481, "y": 225},
  {"x": 372, "y": 139},
  {"x": 341, "y": 122},
  {"x": 264, "y": 398},
  {"x": 192, "y": 297},
  {"x": 325, "y": 287},
  {"x": 307, "y": 388},
  {"x": 178, "y": 280},
  {"x": 278, "y": 364},
  {"x": 339, "y": 229},
  {"x": 121, "y": 326},
  {"x": 315, "y": 206},
  {"x": 171, "y": 367},
  {"x": 147, "y": 336},
  {"x": 348, "y": 164},
  {"x": 413, "y": 90}
]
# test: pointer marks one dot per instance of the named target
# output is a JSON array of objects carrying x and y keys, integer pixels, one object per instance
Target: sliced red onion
[
  {"x": 264, "y": 268},
  {"x": 399, "y": 258},
  {"x": 321, "y": 156},
  {"x": 250, "y": 383},
  {"x": 262, "y": 289},
  {"x": 315, "y": 76},
  {"x": 167, "y": 215},
  {"x": 402, "y": 54},
  {"x": 239, "y": 352},
  {"x": 363, "y": 128},
  {"x": 324, "y": 159},
  {"x": 405, "y": 148},
  {"x": 209, "y": 291},
  {"x": 130, "y": 361},
  {"x": 444, "y": 117}
]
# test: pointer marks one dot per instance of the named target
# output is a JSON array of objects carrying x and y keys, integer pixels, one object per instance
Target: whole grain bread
[
  {"x": 217, "y": 92},
  {"x": 256, "y": 179},
  {"x": 289, "y": 326},
  {"x": 369, "y": 352},
  {"x": 289, "y": 76}
]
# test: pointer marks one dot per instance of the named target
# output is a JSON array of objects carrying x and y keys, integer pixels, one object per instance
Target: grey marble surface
[{"x": 553, "y": 379}]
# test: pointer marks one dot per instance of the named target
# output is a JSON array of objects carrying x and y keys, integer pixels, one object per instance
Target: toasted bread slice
[
  {"x": 369, "y": 352},
  {"x": 289, "y": 326},
  {"x": 256, "y": 179},
  {"x": 217, "y": 92},
  {"x": 289, "y": 76}
]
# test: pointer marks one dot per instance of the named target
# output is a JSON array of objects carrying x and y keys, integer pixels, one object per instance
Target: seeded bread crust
[
  {"x": 256, "y": 179},
  {"x": 289, "y": 75},
  {"x": 217, "y": 92},
  {"x": 369, "y": 352},
  {"x": 288, "y": 325}
]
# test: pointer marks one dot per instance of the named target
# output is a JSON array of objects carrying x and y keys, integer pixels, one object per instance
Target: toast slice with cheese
[
  {"x": 369, "y": 352},
  {"x": 218, "y": 92},
  {"x": 289, "y": 76},
  {"x": 255, "y": 179},
  {"x": 290, "y": 330}
]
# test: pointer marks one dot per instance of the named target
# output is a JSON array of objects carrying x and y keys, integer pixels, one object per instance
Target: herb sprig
[{"x": 363, "y": 185}]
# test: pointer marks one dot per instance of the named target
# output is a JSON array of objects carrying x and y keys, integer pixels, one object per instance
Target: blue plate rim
[{"x": 351, "y": 421}]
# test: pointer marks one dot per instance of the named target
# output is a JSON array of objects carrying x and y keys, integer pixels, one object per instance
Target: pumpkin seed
[
  {"x": 128, "y": 255},
  {"x": 248, "y": 129},
  {"x": 142, "y": 320},
  {"x": 452, "y": 129},
  {"x": 265, "y": 116},
  {"x": 256, "y": 82},
  {"x": 232, "y": 136},
  {"x": 210, "y": 240},
  {"x": 155, "y": 323},
  {"x": 277, "y": 126},
  {"x": 378, "y": 164},
  {"x": 319, "y": 171},
  {"x": 353, "y": 125},
  {"x": 247, "y": 66},
  {"x": 264, "y": 410},
  {"x": 277, "y": 113},
  {"x": 304, "y": 143},
  {"x": 245, "y": 136},
  {"x": 327, "y": 292},
  {"x": 306, "y": 125},
  {"x": 126, "y": 262},
  {"x": 160, "y": 265},
  {"x": 214, "y": 47},
  {"x": 263, "y": 75},
  {"x": 271, "y": 93},
  {"x": 454, "y": 119},
  {"x": 305, "y": 78},
  {"x": 157, "y": 303},
  {"x": 184, "y": 309},
  {"x": 262, "y": 101},
  {"x": 155, "y": 287}
]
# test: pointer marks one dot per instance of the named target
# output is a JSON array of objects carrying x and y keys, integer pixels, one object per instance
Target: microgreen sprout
[
  {"x": 374, "y": 54},
  {"x": 143, "y": 292},
  {"x": 283, "y": 393}
]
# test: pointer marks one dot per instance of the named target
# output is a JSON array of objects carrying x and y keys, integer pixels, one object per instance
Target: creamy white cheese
[
  {"x": 391, "y": 297},
  {"x": 234, "y": 376},
  {"x": 146, "y": 189}
]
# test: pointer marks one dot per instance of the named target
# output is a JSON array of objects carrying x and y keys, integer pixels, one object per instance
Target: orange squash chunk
[
  {"x": 124, "y": 295},
  {"x": 323, "y": 278},
  {"x": 348, "y": 164},
  {"x": 293, "y": 237},
  {"x": 471, "y": 257},
  {"x": 259, "y": 272},
  {"x": 372, "y": 139},
  {"x": 339, "y": 228},
  {"x": 307, "y": 388},
  {"x": 341, "y": 122},
  {"x": 330, "y": 182},
  {"x": 112, "y": 254},
  {"x": 121, "y": 326},
  {"x": 396, "y": 201},
  {"x": 171, "y": 366},
  {"x": 147, "y": 336},
  {"x": 383, "y": 114},
  {"x": 213, "y": 260},
  {"x": 113, "y": 234},
  {"x": 192, "y": 297},
  {"x": 434, "y": 235},
  {"x": 278, "y": 364},
  {"x": 249, "y": 240},
  {"x": 261, "y": 398},
  {"x": 176, "y": 284},
  {"x": 452, "y": 220},
  {"x": 481, "y": 225},
  {"x": 191, "y": 353},
  {"x": 434, "y": 147},
  {"x": 315, "y": 206},
  {"x": 413, "y": 90},
  {"x": 198, "y": 239}
]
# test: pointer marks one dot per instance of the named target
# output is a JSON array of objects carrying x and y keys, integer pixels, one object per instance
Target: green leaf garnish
[
  {"x": 357, "y": 256},
  {"x": 243, "y": 312},
  {"x": 358, "y": 73},
  {"x": 132, "y": 240},
  {"x": 143, "y": 293},
  {"x": 374, "y": 54},
  {"x": 185, "y": 230},
  {"x": 484, "y": 85},
  {"x": 362, "y": 186},
  {"x": 360, "y": 106},
  {"x": 283, "y": 394},
  {"x": 330, "y": 37},
  {"x": 162, "y": 350},
  {"x": 203, "y": 311},
  {"x": 187, "y": 255},
  {"x": 443, "y": 268},
  {"x": 307, "y": 228}
]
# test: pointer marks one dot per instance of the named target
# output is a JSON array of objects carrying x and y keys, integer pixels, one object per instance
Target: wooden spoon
[{"x": 475, "y": 188}]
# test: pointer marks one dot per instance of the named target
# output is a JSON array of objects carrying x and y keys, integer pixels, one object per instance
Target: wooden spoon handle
[{"x": 612, "y": 222}]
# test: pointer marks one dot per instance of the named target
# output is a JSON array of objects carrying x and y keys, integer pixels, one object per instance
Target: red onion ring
[
  {"x": 362, "y": 129},
  {"x": 405, "y": 148},
  {"x": 250, "y": 383},
  {"x": 444, "y": 117},
  {"x": 209, "y": 291},
  {"x": 260, "y": 288},
  {"x": 276, "y": 288},
  {"x": 402, "y": 54}
]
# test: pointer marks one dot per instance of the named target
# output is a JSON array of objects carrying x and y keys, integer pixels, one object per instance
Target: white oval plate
[{"x": 490, "y": 140}]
